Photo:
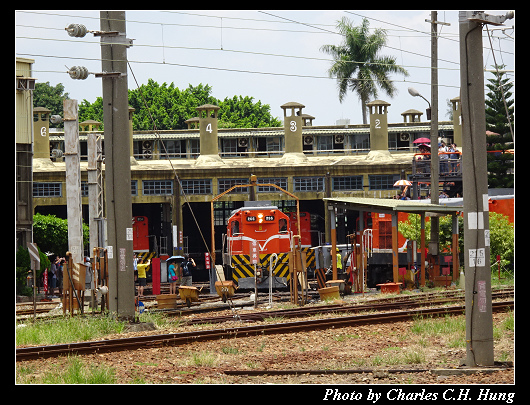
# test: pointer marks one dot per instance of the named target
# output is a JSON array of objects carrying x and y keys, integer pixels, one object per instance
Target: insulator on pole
[
  {"x": 76, "y": 30},
  {"x": 78, "y": 72},
  {"x": 56, "y": 119}
]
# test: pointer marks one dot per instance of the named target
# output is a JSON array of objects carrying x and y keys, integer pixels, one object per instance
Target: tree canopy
[
  {"x": 500, "y": 163},
  {"x": 51, "y": 233},
  {"x": 358, "y": 65},
  {"x": 51, "y": 97},
  {"x": 169, "y": 107}
]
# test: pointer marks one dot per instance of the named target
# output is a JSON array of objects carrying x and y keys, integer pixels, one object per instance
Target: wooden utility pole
[{"x": 117, "y": 163}]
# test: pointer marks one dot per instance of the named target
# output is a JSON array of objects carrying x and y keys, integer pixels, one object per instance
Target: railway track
[
  {"x": 132, "y": 343},
  {"x": 414, "y": 302}
]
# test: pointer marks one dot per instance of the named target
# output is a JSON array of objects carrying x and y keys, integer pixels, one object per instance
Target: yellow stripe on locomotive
[{"x": 242, "y": 268}]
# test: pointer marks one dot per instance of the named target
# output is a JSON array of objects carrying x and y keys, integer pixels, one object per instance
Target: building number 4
[{"x": 209, "y": 128}]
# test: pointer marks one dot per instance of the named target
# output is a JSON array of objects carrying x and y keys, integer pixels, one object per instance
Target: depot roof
[{"x": 390, "y": 205}]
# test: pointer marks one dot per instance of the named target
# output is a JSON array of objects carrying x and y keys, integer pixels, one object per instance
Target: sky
[{"x": 221, "y": 47}]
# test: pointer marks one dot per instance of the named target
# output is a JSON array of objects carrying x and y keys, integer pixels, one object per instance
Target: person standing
[
  {"x": 173, "y": 277},
  {"x": 185, "y": 271},
  {"x": 59, "y": 274},
  {"x": 52, "y": 277},
  {"x": 142, "y": 277},
  {"x": 442, "y": 149}
]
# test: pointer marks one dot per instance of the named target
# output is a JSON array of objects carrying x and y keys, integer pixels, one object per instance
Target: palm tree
[{"x": 357, "y": 64}]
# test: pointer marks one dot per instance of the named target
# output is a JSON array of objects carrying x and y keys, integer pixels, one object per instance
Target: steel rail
[
  {"x": 338, "y": 308},
  {"x": 318, "y": 372},
  {"x": 101, "y": 346}
]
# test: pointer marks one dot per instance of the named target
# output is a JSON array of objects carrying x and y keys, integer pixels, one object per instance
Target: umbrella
[
  {"x": 175, "y": 258},
  {"x": 402, "y": 183},
  {"x": 422, "y": 140}
]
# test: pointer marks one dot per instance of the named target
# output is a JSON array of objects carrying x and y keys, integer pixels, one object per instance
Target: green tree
[
  {"x": 170, "y": 107},
  {"x": 357, "y": 64},
  {"x": 243, "y": 112},
  {"x": 500, "y": 164},
  {"x": 23, "y": 267},
  {"x": 50, "y": 97},
  {"x": 91, "y": 111},
  {"x": 51, "y": 233},
  {"x": 502, "y": 240}
]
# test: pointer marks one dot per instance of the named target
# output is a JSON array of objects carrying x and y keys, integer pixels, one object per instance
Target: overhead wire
[
  {"x": 226, "y": 69},
  {"x": 164, "y": 46},
  {"x": 445, "y": 36},
  {"x": 231, "y": 304},
  {"x": 256, "y": 28}
]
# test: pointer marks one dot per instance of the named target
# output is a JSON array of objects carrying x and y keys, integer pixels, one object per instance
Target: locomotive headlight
[{"x": 260, "y": 217}]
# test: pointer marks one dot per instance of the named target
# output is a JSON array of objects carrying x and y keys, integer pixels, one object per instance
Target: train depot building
[{"x": 176, "y": 174}]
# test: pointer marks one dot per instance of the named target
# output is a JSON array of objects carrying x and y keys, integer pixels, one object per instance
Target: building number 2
[
  {"x": 378, "y": 123},
  {"x": 293, "y": 126}
]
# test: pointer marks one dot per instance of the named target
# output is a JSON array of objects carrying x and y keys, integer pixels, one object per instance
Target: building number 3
[{"x": 293, "y": 126}]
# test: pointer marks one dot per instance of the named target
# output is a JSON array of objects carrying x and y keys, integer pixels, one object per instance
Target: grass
[
  {"x": 75, "y": 372},
  {"x": 203, "y": 359},
  {"x": 452, "y": 328},
  {"x": 70, "y": 329},
  {"x": 67, "y": 329}
]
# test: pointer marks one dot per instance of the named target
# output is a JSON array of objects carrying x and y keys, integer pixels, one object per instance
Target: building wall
[{"x": 23, "y": 155}]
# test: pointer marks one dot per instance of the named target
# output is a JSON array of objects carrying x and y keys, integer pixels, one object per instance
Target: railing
[{"x": 449, "y": 165}]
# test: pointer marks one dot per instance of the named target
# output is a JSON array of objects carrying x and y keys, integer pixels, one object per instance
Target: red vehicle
[
  {"x": 140, "y": 234},
  {"x": 305, "y": 227},
  {"x": 268, "y": 225},
  {"x": 253, "y": 235}
]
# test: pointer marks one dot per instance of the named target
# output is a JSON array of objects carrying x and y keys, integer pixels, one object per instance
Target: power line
[
  {"x": 412, "y": 29},
  {"x": 254, "y": 28},
  {"x": 163, "y": 46},
  {"x": 226, "y": 69},
  {"x": 387, "y": 46}
]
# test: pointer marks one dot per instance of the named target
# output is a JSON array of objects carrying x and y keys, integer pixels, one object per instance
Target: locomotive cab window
[
  {"x": 282, "y": 225},
  {"x": 235, "y": 227}
]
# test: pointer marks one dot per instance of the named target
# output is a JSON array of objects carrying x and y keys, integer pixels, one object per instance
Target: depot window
[
  {"x": 308, "y": 183},
  {"x": 225, "y": 184},
  {"x": 279, "y": 181},
  {"x": 382, "y": 181},
  {"x": 47, "y": 189},
  {"x": 202, "y": 186},
  {"x": 347, "y": 183},
  {"x": 157, "y": 187}
]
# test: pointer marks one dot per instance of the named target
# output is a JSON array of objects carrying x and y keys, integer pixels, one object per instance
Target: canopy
[
  {"x": 175, "y": 258},
  {"x": 422, "y": 140},
  {"x": 389, "y": 205}
]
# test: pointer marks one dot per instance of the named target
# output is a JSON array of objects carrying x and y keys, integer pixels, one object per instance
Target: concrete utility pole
[
  {"x": 479, "y": 321},
  {"x": 73, "y": 180},
  {"x": 117, "y": 163},
  {"x": 435, "y": 166}
]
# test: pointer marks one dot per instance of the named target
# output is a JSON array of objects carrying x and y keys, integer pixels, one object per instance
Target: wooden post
[
  {"x": 455, "y": 247},
  {"x": 395, "y": 257}
]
